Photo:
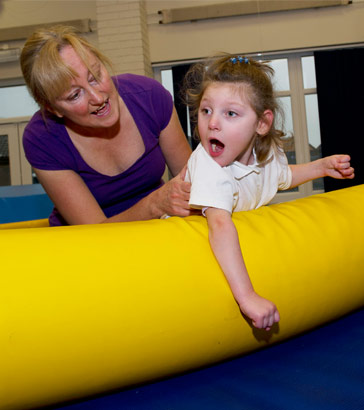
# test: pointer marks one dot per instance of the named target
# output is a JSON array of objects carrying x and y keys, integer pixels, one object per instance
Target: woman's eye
[
  {"x": 73, "y": 96},
  {"x": 93, "y": 79}
]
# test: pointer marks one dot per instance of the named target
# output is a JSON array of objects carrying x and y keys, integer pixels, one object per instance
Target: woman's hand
[{"x": 172, "y": 198}]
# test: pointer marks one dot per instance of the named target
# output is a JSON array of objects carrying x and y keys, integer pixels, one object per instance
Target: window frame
[{"x": 296, "y": 94}]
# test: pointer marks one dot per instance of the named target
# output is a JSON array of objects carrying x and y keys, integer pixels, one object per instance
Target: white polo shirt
[{"x": 236, "y": 187}]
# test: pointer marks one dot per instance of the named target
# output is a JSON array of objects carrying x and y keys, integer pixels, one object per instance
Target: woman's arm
[
  {"x": 71, "y": 196},
  {"x": 173, "y": 197},
  {"x": 335, "y": 166},
  {"x": 78, "y": 206},
  {"x": 174, "y": 145},
  {"x": 225, "y": 244}
]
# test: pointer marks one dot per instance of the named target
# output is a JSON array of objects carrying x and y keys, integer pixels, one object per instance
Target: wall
[
  {"x": 18, "y": 13},
  {"x": 252, "y": 33},
  {"x": 130, "y": 33},
  {"x": 15, "y": 14},
  {"x": 122, "y": 31},
  {"x": 123, "y": 35}
]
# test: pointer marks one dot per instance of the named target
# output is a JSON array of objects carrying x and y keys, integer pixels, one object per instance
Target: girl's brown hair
[
  {"x": 45, "y": 73},
  {"x": 255, "y": 80}
]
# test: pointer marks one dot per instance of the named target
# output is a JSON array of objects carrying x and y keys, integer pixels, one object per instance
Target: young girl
[{"x": 239, "y": 164}]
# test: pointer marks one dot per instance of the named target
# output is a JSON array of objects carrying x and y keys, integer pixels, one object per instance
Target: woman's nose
[{"x": 96, "y": 97}]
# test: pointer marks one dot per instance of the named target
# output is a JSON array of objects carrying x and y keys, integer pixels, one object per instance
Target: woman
[{"x": 99, "y": 144}]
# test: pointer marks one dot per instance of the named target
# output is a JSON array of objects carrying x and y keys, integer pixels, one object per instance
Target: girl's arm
[
  {"x": 335, "y": 166},
  {"x": 225, "y": 244}
]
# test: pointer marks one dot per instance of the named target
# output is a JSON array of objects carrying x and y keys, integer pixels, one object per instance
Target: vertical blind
[{"x": 340, "y": 93}]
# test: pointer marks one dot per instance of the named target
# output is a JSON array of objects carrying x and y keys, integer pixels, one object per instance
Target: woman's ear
[
  {"x": 265, "y": 122},
  {"x": 53, "y": 111}
]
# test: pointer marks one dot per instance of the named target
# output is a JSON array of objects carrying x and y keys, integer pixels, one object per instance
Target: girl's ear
[{"x": 265, "y": 122}]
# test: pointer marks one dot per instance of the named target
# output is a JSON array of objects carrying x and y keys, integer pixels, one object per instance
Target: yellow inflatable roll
[{"x": 89, "y": 309}]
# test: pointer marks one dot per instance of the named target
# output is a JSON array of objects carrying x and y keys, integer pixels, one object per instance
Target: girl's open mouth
[{"x": 216, "y": 147}]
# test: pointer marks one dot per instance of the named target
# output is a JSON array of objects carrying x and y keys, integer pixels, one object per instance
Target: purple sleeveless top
[{"x": 48, "y": 146}]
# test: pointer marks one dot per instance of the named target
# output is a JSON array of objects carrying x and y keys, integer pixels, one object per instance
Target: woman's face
[{"x": 89, "y": 102}]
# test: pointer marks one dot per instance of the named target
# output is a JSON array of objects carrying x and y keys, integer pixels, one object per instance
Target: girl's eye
[
  {"x": 205, "y": 111},
  {"x": 232, "y": 114}
]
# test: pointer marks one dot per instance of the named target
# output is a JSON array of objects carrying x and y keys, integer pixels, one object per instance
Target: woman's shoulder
[
  {"x": 45, "y": 142},
  {"x": 146, "y": 98},
  {"x": 44, "y": 130},
  {"x": 37, "y": 120},
  {"x": 134, "y": 83},
  {"x": 41, "y": 125}
]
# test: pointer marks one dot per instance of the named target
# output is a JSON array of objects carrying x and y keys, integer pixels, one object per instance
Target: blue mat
[
  {"x": 24, "y": 203},
  {"x": 322, "y": 369}
]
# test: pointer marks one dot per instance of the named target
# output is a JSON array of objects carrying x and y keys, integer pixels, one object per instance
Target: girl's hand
[
  {"x": 338, "y": 166},
  {"x": 261, "y": 311}
]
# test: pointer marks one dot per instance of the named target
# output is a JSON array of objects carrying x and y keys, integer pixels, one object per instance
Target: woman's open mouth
[{"x": 103, "y": 109}]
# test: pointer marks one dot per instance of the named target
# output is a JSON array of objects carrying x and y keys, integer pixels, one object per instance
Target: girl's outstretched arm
[
  {"x": 225, "y": 244},
  {"x": 335, "y": 166}
]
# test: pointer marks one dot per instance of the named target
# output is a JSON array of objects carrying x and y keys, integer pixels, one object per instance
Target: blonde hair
[
  {"x": 254, "y": 79},
  {"x": 46, "y": 75}
]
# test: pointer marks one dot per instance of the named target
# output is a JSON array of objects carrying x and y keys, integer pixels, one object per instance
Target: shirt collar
[{"x": 240, "y": 170}]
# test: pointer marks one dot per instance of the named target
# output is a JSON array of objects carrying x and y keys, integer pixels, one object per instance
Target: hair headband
[{"x": 241, "y": 59}]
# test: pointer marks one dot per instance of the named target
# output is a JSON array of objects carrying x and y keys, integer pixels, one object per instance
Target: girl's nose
[{"x": 214, "y": 123}]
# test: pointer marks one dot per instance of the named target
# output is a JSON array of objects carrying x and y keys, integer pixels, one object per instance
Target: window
[
  {"x": 4, "y": 161},
  {"x": 312, "y": 117},
  {"x": 14, "y": 168},
  {"x": 16, "y": 108},
  {"x": 16, "y": 102},
  {"x": 295, "y": 86}
]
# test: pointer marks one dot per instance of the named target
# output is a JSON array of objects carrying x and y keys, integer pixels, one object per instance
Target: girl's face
[
  {"x": 88, "y": 102},
  {"x": 228, "y": 125}
]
